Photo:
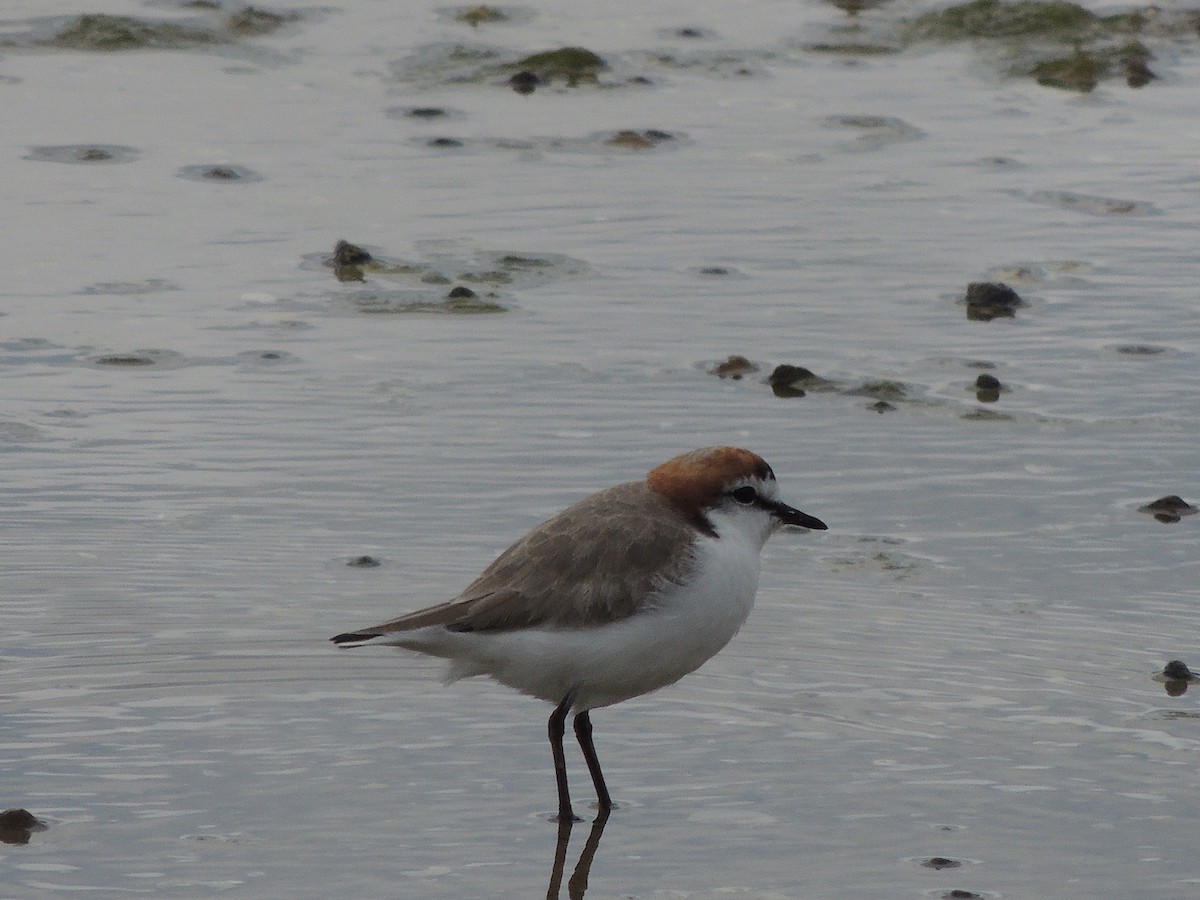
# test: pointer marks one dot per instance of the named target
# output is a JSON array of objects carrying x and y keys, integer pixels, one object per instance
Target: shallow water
[{"x": 201, "y": 426}]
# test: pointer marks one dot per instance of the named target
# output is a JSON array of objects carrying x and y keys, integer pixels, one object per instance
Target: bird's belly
[
  {"x": 672, "y": 634},
  {"x": 615, "y": 661}
]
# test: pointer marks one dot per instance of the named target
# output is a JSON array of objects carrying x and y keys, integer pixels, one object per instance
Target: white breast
[{"x": 675, "y": 634}]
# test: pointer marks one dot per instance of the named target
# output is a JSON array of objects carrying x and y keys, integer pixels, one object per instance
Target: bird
[{"x": 620, "y": 594}]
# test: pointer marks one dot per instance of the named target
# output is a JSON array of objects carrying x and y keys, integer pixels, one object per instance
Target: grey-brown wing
[{"x": 596, "y": 561}]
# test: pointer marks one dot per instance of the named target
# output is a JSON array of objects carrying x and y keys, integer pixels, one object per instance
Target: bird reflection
[{"x": 578, "y": 883}]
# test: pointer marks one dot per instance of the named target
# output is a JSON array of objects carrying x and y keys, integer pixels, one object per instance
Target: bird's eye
[{"x": 745, "y": 495}]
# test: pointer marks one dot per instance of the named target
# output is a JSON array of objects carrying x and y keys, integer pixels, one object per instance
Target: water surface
[{"x": 201, "y": 426}]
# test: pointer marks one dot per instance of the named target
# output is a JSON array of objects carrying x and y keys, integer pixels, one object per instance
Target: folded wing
[{"x": 597, "y": 561}]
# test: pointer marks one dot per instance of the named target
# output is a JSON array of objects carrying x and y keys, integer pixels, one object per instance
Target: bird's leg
[
  {"x": 583, "y": 731},
  {"x": 557, "y": 728}
]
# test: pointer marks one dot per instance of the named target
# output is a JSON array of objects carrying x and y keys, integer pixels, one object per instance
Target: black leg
[
  {"x": 583, "y": 731},
  {"x": 558, "y": 727}
]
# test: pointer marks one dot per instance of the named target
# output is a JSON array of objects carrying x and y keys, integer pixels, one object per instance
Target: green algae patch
[
  {"x": 513, "y": 261},
  {"x": 471, "y": 305},
  {"x": 1048, "y": 19},
  {"x": 85, "y": 154},
  {"x": 377, "y": 285},
  {"x": 489, "y": 277},
  {"x": 882, "y": 389},
  {"x": 438, "y": 65},
  {"x": 1081, "y": 71},
  {"x": 985, "y": 415},
  {"x": 1084, "y": 69},
  {"x": 852, "y": 48},
  {"x": 480, "y": 15},
  {"x": 254, "y": 22},
  {"x": 1057, "y": 43},
  {"x": 402, "y": 302},
  {"x": 101, "y": 32},
  {"x": 575, "y": 65},
  {"x": 98, "y": 32}
]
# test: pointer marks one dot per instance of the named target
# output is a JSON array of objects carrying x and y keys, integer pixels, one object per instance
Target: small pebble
[
  {"x": 1176, "y": 677},
  {"x": 1140, "y": 350},
  {"x": 18, "y": 825},
  {"x": 785, "y": 380},
  {"x": 524, "y": 82},
  {"x": 987, "y": 300},
  {"x": 987, "y": 388},
  {"x": 124, "y": 360},
  {"x": 1177, "y": 670},
  {"x": 19, "y": 818},
  {"x": 1170, "y": 503},
  {"x": 1169, "y": 509},
  {"x": 630, "y": 139},
  {"x": 1138, "y": 74},
  {"x": 735, "y": 367},
  {"x": 481, "y": 14},
  {"x": 785, "y": 373},
  {"x": 347, "y": 254},
  {"x": 941, "y": 862}
]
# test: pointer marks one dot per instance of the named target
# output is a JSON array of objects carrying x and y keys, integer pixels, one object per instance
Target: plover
[{"x": 620, "y": 594}]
